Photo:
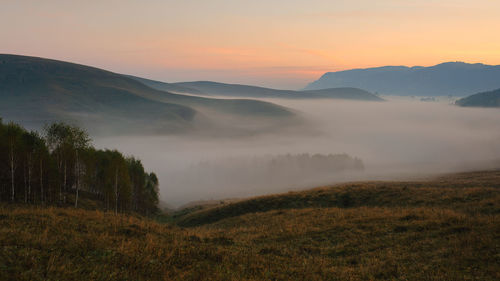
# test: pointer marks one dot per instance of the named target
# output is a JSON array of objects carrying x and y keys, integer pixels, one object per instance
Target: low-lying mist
[{"x": 397, "y": 139}]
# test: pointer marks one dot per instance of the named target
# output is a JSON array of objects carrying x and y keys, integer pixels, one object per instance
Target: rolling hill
[
  {"x": 451, "y": 78},
  {"x": 485, "y": 99},
  {"x": 441, "y": 229},
  {"x": 34, "y": 91},
  {"x": 208, "y": 88},
  {"x": 168, "y": 87},
  {"x": 344, "y": 93}
]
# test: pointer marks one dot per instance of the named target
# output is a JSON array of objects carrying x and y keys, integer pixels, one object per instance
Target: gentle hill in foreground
[
  {"x": 485, "y": 99},
  {"x": 451, "y": 78},
  {"x": 443, "y": 229},
  {"x": 208, "y": 88},
  {"x": 374, "y": 194},
  {"x": 34, "y": 91}
]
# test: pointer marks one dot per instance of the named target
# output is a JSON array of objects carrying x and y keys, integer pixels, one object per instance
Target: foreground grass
[{"x": 445, "y": 229}]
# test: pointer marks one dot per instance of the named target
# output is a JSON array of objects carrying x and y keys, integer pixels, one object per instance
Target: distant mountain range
[
  {"x": 485, "y": 99},
  {"x": 35, "y": 91},
  {"x": 209, "y": 88},
  {"x": 451, "y": 78}
]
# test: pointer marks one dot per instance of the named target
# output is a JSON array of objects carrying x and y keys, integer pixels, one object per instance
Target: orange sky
[{"x": 282, "y": 44}]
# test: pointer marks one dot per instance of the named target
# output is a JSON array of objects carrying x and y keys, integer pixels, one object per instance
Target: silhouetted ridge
[
  {"x": 485, "y": 99},
  {"x": 450, "y": 78},
  {"x": 209, "y": 88}
]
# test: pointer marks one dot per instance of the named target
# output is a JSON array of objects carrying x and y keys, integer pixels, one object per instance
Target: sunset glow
[{"x": 281, "y": 44}]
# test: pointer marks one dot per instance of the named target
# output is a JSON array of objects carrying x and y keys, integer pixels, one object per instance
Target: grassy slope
[
  {"x": 48, "y": 90},
  {"x": 446, "y": 191},
  {"x": 444, "y": 229}
]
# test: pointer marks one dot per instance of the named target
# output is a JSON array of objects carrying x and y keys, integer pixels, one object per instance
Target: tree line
[
  {"x": 60, "y": 166},
  {"x": 262, "y": 173}
]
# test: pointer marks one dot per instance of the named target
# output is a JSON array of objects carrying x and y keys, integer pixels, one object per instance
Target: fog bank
[{"x": 397, "y": 139}]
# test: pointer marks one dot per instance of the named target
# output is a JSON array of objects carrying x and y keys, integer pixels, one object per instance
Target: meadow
[{"x": 443, "y": 228}]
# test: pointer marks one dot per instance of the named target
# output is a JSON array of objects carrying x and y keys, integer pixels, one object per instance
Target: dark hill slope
[
  {"x": 485, "y": 99},
  {"x": 34, "y": 91},
  {"x": 452, "y": 78},
  {"x": 209, "y": 88}
]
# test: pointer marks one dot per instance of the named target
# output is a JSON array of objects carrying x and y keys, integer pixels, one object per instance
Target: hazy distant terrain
[
  {"x": 35, "y": 91},
  {"x": 397, "y": 139},
  {"x": 261, "y": 174},
  {"x": 394, "y": 139},
  {"x": 209, "y": 88},
  {"x": 485, "y": 99},
  {"x": 452, "y": 78},
  {"x": 169, "y": 87}
]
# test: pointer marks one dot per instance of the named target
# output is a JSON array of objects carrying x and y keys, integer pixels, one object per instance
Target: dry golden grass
[
  {"x": 444, "y": 229},
  {"x": 474, "y": 192}
]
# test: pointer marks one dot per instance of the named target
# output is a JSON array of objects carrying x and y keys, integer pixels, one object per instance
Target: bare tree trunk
[
  {"x": 116, "y": 191},
  {"x": 29, "y": 177},
  {"x": 65, "y": 182},
  {"x": 25, "y": 184},
  {"x": 41, "y": 179},
  {"x": 60, "y": 185},
  {"x": 12, "y": 171},
  {"x": 77, "y": 179}
]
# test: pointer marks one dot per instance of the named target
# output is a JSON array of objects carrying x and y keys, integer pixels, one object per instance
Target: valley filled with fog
[{"x": 396, "y": 139}]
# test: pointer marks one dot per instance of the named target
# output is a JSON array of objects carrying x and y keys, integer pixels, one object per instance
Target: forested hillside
[
  {"x": 61, "y": 166},
  {"x": 242, "y": 176},
  {"x": 484, "y": 99}
]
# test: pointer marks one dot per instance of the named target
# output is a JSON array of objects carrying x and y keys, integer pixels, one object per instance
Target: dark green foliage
[
  {"x": 485, "y": 99},
  {"x": 63, "y": 166}
]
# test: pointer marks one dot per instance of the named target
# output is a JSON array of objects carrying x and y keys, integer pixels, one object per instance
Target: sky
[{"x": 279, "y": 44}]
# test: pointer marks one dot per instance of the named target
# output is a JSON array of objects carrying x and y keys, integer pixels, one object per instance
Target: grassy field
[{"x": 446, "y": 228}]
